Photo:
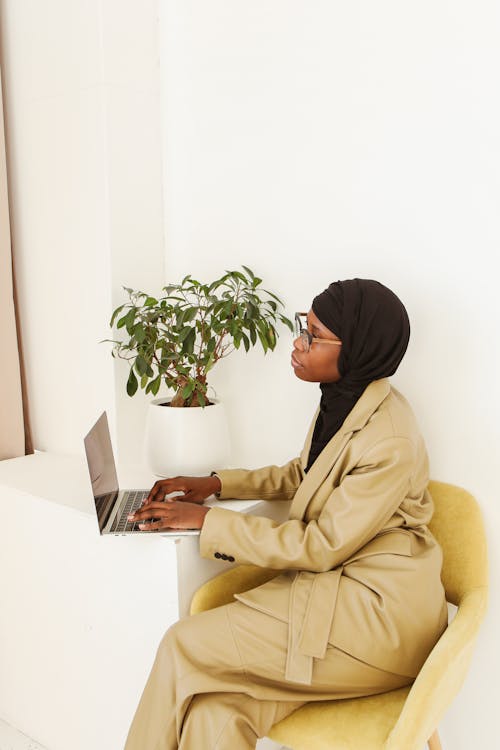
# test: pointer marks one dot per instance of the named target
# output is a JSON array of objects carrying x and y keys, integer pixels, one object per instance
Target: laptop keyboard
[{"x": 133, "y": 501}]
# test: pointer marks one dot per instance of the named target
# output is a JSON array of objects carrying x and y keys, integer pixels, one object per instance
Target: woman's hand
[
  {"x": 169, "y": 515},
  {"x": 196, "y": 489}
]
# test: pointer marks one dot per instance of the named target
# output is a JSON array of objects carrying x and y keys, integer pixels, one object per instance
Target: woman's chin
[{"x": 300, "y": 374}]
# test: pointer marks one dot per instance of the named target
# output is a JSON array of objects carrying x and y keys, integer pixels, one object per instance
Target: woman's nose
[{"x": 298, "y": 344}]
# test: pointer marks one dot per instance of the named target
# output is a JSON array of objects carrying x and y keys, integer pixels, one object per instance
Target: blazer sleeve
[
  {"x": 267, "y": 483},
  {"x": 354, "y": 513}
]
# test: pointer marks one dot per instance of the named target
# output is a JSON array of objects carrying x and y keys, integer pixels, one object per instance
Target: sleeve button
[
  {"x": 217, "y": 554},
  {"x": 230, "y": 558}
]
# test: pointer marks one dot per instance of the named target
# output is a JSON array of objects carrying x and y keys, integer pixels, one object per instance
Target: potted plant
[{"x": 176, "y": 340}]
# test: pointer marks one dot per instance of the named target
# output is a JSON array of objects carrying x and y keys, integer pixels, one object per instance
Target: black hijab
[{"x": 374, "y": 328}]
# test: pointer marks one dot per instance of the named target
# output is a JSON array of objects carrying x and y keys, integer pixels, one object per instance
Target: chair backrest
[{"x": 458, "y": 527}]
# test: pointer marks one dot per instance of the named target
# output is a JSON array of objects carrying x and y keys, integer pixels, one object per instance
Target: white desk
[{"x": 82, "y": 615}]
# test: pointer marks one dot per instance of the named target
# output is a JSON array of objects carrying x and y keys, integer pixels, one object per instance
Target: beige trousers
[{"x": 217, "y": 682}]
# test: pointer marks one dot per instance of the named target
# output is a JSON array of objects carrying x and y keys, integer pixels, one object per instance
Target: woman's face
[{"x": 319, "y": 364}]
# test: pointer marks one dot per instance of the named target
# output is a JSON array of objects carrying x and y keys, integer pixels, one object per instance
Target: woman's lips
[{"x": 295, "y": 363}]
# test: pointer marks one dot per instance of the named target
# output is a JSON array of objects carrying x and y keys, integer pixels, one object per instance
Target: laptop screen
[{"x": 102, "y": 468}]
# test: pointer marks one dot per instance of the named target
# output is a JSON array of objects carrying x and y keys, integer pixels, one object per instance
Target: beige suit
[{"x": 355, "y": 607}]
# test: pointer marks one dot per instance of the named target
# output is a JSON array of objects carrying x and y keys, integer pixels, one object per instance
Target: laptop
[{"x": 113, "y": 505}]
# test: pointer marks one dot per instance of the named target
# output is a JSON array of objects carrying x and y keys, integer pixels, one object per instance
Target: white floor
[{"x": 11, "y": 739}]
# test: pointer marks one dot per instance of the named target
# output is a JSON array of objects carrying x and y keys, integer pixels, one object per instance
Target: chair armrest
[
  {"x": 220, "y": 590},
  {"x": 441, "y": 677}
]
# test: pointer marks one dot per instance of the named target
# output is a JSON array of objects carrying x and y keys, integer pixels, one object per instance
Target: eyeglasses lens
[
  {"x": 305, "y": 341},
  {"x": 302, "y": 332}
]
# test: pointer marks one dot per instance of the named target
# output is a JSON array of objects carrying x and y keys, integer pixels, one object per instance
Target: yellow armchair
[{"x": 407, "y": 718}]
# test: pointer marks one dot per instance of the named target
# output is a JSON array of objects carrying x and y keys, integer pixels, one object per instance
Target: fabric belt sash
[{"x": 313, "y": 598}]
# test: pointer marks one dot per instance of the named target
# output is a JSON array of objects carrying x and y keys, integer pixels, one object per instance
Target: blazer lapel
[{"x": 368, "y": 402}]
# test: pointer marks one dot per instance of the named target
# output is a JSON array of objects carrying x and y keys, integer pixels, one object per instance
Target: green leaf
[
  {"x": 139, "y": 333},
  {"x": 287, "y": 322},
  {"x": 273, "y": 296},
  {"x": 144, "y": 380},
  {"x": 249, "y": 272},
  {"x": 252, "y": 310},
  {"x": 129, "y": 321},
  {"x": 190, "y": 314},
  {"x": 246, "y": 342},
  {"x": 263, "y": 341},
  {"x": 188, "y": 389},
  {"x": 188, "y": 345},
  {"x": 131, "y": 383},
  {"x": 154, "y": 385},
  {"x": 150, "y": 301},
  {"x": 253, "y": 335},
  {"x": 179, "y": 320},
  {"x": 116, "y": 312},
  {"x": 256, "y": 282},
  {"x": 141, "y": 365},
  {"x": 271, "y": 337},
  {"x": 228, "y": 306},
  {"x": 169, "y": 289},
  {"x": 218, "y": 307},
  {"x": 184, "y": 333},
  {"x": 240, "y": 276},
  {"x": 210, "y": 363}
]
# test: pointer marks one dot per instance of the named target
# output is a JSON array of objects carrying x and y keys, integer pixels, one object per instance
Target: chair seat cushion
[{"x": 351, "y": 724}]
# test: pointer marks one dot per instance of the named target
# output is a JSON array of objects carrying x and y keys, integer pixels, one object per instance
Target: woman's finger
[
  {"x": 156, "y": 508},
  {"x": 160, "y": 525},
  {"x": 158, "y": 491},
  {"x": 152, "y": 493},
  {"x": 164, "y": 487}
]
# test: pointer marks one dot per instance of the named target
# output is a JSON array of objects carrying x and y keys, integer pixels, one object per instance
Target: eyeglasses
[{"x": 308, "y": 338}]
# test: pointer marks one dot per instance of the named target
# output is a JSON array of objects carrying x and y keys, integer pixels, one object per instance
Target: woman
[{"x": 357, "y": 602}]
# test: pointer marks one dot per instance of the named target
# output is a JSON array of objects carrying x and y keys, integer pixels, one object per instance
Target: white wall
[
  {"x": 81, "y": 85},
  {"x": 58, "y": 209},
  {"x": 313, "y": 141},
  {"x": 317, "y": 141}
]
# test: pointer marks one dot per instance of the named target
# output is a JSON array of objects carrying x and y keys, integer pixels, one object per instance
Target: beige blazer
[{"x": 356, "y": 565}]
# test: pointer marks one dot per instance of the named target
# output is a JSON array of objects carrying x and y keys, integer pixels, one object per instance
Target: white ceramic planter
[{"x": 191, "y": 441}]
